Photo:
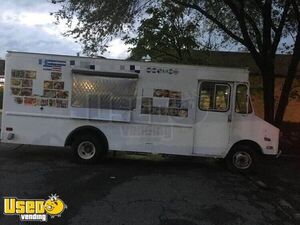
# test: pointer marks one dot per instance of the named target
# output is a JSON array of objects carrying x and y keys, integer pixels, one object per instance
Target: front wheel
[
  {"x": 88, "y": 149},
  {"x": 241, "y": 159}
]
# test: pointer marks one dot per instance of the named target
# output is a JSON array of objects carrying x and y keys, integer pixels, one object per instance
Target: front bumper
[
  {"x": 278, "y": 154},
  {"x": 274, "y": 156}
]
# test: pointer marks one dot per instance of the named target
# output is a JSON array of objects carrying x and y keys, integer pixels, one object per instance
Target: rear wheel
[
  {"x": 88, "y": 149},
  {"x": 241, "y": 159}
]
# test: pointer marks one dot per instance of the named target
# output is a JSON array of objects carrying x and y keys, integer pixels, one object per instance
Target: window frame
[
  {"x": 249, "y": 102},
  {"x": 214, "y": 94}
]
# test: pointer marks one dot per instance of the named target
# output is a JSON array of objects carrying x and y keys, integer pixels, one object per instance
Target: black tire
[
  {"x": 242, "y": 159},
  {"x": 88, "y": 149}
]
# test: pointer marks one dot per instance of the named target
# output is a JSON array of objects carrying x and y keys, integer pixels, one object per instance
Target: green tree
[
  {"x": 259, "y": 25},
  {"x": 165, "y": 34},
  {"x": 292, "y": 70},
  {"x": 171, "y": 33}
]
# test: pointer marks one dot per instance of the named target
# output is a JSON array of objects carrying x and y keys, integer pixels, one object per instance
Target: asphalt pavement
[{"x": 149, "y": 189}]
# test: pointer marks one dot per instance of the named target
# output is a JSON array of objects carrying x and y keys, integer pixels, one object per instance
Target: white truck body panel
[{"x": 191, "y": 132}]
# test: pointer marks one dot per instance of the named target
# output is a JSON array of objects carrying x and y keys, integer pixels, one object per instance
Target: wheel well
[
  {"x": 86, "y": 130},
  {"x": 249, "y": 143}
]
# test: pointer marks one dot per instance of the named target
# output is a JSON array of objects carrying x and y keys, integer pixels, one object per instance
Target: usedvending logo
[{"x": 34, "y": 209}]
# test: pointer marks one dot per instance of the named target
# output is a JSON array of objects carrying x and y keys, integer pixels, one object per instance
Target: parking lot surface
[{"x": 141, "y": 190}]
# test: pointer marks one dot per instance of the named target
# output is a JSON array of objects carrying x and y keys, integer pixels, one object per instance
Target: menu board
[
  {"x": 174, "y": 106},
  {"x": 54, "y": 93}
]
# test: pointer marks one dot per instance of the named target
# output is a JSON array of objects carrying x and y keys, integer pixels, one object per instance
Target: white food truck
[{"x": 94, "y": 105}]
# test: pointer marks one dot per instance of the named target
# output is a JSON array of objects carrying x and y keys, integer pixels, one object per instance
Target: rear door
[{"x": 213, "y": 118}]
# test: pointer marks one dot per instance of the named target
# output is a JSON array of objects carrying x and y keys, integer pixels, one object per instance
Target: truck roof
[{"x": 241, "y": 69}]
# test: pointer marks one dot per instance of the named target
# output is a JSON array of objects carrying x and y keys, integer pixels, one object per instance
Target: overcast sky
[{"x": 26, "y": 25}]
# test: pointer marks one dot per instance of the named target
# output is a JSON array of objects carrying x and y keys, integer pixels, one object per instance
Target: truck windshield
[{"x": 242, "y": 102}]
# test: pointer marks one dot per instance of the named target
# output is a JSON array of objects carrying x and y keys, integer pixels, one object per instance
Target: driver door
[{"x": 213, "y": 118}]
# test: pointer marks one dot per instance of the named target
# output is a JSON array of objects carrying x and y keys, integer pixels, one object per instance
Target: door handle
[{"x": 229, "y": 119}]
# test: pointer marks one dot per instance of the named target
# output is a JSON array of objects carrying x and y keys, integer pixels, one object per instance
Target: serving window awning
[{"x": 106, "y": 74}]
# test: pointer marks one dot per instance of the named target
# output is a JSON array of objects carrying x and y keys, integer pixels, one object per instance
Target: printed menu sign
[
  {"x": 54, "y": 94},
  {"x": 174, "y": 107}
]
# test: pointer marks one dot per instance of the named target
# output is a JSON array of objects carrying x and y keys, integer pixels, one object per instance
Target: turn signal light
[
  {"x": 9, "y": 129},
  {"x": 267, "y": 139}
]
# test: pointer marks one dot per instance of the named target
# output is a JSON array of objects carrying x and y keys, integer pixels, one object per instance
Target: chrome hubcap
[
  {"x": 86, "y": 150},
  {"x": 242, "y": 160}
]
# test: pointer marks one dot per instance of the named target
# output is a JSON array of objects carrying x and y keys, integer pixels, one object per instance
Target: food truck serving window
[{"x": 103, "y": 92}]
